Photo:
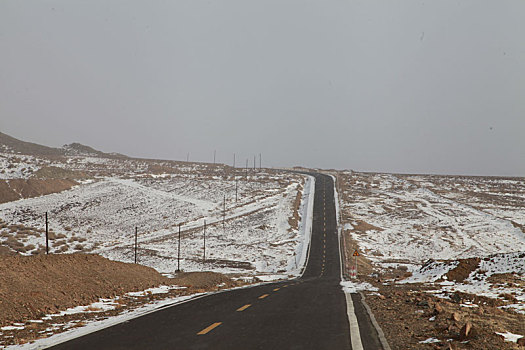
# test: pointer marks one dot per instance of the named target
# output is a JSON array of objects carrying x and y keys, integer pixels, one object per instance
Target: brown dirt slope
[
  {"x": 32, "y": 286},
  {"x": 11, "y": 190},
  {"x": 29, "y": 147},
  {"x": 463, "y": 270}
]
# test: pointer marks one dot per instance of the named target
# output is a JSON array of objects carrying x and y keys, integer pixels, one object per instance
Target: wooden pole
[
  {"x": 136, "y": 233},
  {"x": 234, "y": 160},
  {"x": 47, "y": 236},
  {"x": 204, "y": 250},
  {"x": 178, "y": 254}
]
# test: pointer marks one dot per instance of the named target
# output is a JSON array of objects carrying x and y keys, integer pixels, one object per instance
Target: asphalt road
[{"x": 306, "y": 313}]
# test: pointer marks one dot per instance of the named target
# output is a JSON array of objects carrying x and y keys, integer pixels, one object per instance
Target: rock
[
  {"x": 465, "y": 331},
  {"x": 438, "y": 309},
  {"x": 423, "y": 303},
  {"x": 382, "y": 297},
  {"x": 456, "y": 298},
  {"x": 455, "y": 316},
  {"x": 521, "y": 341}
]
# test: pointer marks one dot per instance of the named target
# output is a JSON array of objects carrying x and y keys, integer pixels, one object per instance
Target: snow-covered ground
[
  {"x": 412, "y": 222},
  {"x": 249, "y": 233},
  {"x": 427, "y": 223}
]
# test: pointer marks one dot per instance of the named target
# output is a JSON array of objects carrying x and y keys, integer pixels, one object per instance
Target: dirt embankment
[
  {"x": 33, "y": 286},
  {"x": 12, "y": 190}
]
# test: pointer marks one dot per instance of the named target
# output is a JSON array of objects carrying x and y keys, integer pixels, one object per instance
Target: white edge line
[
  {"x": 309, "y": 223},
  {"x": 380, "y": 333},
  {"x": 355, "y": 335},
  {"x": 382, "y": 338}
]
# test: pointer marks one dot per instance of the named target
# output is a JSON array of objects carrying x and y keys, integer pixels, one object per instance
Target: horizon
[
  {"x": 391, "y": 86},
  {"x": 250, "y": 166}
]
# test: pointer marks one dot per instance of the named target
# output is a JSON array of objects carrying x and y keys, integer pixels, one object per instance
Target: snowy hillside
[{"x": 261, "y": 233}]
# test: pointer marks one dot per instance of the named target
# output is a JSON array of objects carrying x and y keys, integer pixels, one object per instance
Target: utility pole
[
  {"x": 135, "y": 244},
  {"x": 254, "y": 163},
  {"x": 204, "y": 250},
  {"x": 224, "y": 216},
  {"x": 234, "y": 160},
  {"x": 246, "y": 168},
  {"x": 214, "y": 154},
  {"x": 47, "y": 236},
  {"x": 178, "y": 254},
  {"x": 260, "y": 161}
]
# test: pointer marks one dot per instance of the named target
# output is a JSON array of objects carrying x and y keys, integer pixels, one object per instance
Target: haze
[{"x": 395, "y": 86}]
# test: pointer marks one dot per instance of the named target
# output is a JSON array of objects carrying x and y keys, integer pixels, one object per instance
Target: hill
[{"x": 10, "y": 144}]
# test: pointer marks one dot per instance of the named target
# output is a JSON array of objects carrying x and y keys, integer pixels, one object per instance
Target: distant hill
[
  {"x": 11, "y": 144},
  {"x": 83, "y": 150},
  {"x": 18, "y": 146}
]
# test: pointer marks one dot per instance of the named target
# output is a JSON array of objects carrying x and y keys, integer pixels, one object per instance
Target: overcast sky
[{"x": 395, "y": 85}]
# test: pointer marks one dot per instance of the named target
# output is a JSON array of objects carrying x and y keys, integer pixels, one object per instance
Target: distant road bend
[{"x": 305, "y": 313}]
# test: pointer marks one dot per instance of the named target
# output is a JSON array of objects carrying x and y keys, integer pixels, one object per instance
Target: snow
[
  {"x": 415, "y": 223},
  {"x": 510, "y": 337},
  {"x": 429, "y": 340},
  {"x": 17, "y": 166},
  {"x": 100, "y": 216},
  {"x": 426, "y": 223},
  {"x": 94, "y": 326},
  {"x": 478, "y": 281},
  {"x": 154, "y": 290},
  {"x": 354, "y": 287},
  {"x": 10, "y": 328}
]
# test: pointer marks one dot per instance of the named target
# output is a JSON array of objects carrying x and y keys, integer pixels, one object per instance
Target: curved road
[{"x": 306, "y": 313}]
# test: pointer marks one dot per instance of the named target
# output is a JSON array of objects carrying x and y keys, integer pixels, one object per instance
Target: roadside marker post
[{"x": 356, "y": 254}]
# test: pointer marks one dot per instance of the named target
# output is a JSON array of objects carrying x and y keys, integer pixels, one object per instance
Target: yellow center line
[
  {"x": 209, "y": 328},
  {"x": 276, "y": 289},
  {"x": 263, "y": 296},
  {"x": 244, "y": 307}
]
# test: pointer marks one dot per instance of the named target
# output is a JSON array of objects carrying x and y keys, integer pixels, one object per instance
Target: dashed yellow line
[
  {"x": 242, "y": 308},
  {"x": 276, "y": 289},
  {"x": 209, "y": 328},
  {"x": 263, "y": 296}
]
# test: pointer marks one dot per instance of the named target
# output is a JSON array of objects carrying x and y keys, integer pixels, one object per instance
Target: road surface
[{"x": 306, "y": 313}]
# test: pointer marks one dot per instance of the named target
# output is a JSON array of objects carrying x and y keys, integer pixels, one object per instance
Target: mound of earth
[
  {"x": 33, "y": 286},
  {"x": 203, "y": 280},
  {"x": 12, "y": 190}
]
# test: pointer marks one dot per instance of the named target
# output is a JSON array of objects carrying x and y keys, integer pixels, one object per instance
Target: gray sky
[{"x": 394, "y": 85}]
